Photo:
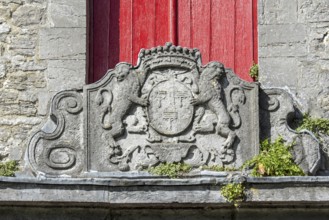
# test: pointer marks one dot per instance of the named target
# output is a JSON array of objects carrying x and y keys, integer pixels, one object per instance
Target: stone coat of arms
[{"x": 168, "y": 108}]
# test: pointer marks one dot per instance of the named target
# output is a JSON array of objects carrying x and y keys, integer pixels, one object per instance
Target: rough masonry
[{"x": 41, "y": 47}]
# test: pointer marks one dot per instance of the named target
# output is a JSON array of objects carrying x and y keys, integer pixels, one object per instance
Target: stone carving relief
[
  {"x": 277, "y": 112},
  {"x": 57, "y": 148},
  {"x": 168, "y": 108}
]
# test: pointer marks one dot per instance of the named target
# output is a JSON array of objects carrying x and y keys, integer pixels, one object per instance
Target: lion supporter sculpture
[{"x": 210, "y": 95}]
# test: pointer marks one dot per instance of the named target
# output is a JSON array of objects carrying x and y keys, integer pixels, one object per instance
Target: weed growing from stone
[
  {"x": 316, "y": 125},
  {"x": 233, "y": 192},
  {"x": 253, "y": 71},
  {"x": 8, "y": 168},
  {"x": 172, "y": 170},
  {"x": 274, "y": 159}
]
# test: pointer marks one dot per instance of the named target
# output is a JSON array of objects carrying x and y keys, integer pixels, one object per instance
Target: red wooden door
[{"x": 224, "y": 30}]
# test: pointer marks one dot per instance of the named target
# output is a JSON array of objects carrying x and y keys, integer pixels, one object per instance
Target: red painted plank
[
  {"x": 243, "y": 38},
  {"x": 223, "y": 32},
  {"x": 143, "y": 25},
  {"x": 173, "y": 35},
  {"x": 255, "y": 30},
  {"x": 114, "y": 43},
  {"x": 126, "y": 31},
  {"x": 201, "y": 30},
  {"x": 162, "y": 22},
  {"x": 184, "y": 22},
  {"x": 100, "y": 38}
]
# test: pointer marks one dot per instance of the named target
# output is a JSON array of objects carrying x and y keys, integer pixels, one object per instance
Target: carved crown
[{"x": 169, "y": 56}]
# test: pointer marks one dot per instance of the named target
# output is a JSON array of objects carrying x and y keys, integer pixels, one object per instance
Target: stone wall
[
  {"x": 294, "y": 50},
  {"x": 42, "y": 51}
]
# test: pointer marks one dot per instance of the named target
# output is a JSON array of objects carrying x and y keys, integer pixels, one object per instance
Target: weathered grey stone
[
  {"x": 44, "y": 99},
  {"x": 24, "y": 80},
  {"x": 313, "y": 10},
  {"x": 162, "y": 110},
  {"x": 2, "y": 70},
  {"x": 280, "y": 75},
  {"x": 294, "y": 53},
  {"x": 17, "y": 120},
  {"x": 278, "y": 12},
  {"x": 29, "y": 65},
  {"x": 62, "y": 43},
  {"x": 65, "y": 13},
  {"x": 4, "y": 14},
  {"x": 6, "y": 2},
  {"x": 23, "y": 45},
  {"x": 277, "y": 112},
  {"x": 282, "y": 34},
  {"x": 194, "y": 192},
  {"x": 59, "y": 71},
  {"x": 24, "y": 86},
  {"x": 284, "y": 50},
  {"x": 4, "y": 28},
  {"x": 27, "y": 15}
]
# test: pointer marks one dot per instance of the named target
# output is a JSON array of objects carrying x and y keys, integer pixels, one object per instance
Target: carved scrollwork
[
  {"x": 269, "y": 101},
  {"x": 69, "y": 101},
  {"x": 46, "y": 151},
  {"x": 60, "y": 156}
]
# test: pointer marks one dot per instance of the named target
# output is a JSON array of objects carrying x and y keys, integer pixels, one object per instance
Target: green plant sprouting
[
  {"x": 233, "y": 192},
  {"x": 274, "y": 159},
  {"x": 8, "y": 168},
  {"x": 253, "y": 71},
  {"x": 316, "y": 125},
  {"x": 172, "y": 170}
]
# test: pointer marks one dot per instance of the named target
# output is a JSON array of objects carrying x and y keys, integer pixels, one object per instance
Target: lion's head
[
  {"x": 122, "y": 71},
  {"x": 213, "y": 70}
]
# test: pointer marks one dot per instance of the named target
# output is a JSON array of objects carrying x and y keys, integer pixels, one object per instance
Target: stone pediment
[{"x": 168, "y": 108}]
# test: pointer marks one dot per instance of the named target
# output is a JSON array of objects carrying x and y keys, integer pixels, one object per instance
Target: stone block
[
  {"x": 30, "y": 66},
  {"x": 6, "y": 2},
  {"x": 313, "y": 11},
  {"x": 279, "y": 72},
  {"x": 319, "y": 40},
  {"x": 65, "y": 13},
  {"x": 62, "y": 43},
  {"x": 5, "y": 133},
  {"x": 4, "y": 14},
  {"x": 28, "y": 15},
  {"x": 65, "y": 74},
  {"x": 19, "y": 120},
  {"x": 278, "y": 12},
  {"x": 24, "y": 80},
  {"x": 282, "y": 34},
  {"x": 4, "y": 28},
  {"x": 284, "y": 50},
  {"x": 43, "y": 100},
  {"x": 2, "y": 70},
  {"x": 312, "y": 81},
  {"x": 22, "y": 108},
  {"x": 22, "y": 45},
  {"x": 8, "y": 96}
]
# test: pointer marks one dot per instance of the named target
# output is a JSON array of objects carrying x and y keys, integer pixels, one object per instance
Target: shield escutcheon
[{"x": 169, "y": 110}]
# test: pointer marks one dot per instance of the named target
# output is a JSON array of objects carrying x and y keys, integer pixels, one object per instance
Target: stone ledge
[{"x": 161, "y": 192}]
